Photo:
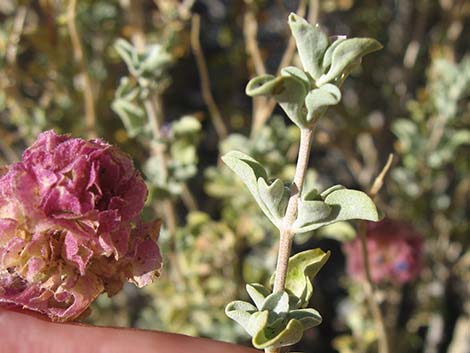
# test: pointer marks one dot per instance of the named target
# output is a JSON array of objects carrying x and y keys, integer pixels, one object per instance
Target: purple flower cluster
[
  {"x": 395, "y": 252},
  {"x": 70, "y": 226}
]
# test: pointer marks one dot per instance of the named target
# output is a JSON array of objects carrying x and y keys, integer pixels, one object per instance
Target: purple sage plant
[{"x": 395, "y": 253}]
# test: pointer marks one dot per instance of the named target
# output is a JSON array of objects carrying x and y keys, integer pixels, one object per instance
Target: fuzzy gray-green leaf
[
  {"x": 127, "y": 52},
  {"x": 302, "y": 269},
  {"x": 311, "y": 44},
  {"x": 275, "y": 197},
  {"x": 353, "y": 204},
  {"x": 261, "y": 85},
  {"x": 311, "y": 212},
  {"x": 249, "y": 171},
  {"x": 346, "y": 54},
  {"x": 319, "y": 99},
  {"x": 241, "y": 312},
  {"x": 297, "y": 73},
  {"x": 308, "y": 317},
  {"x": 289, "y": 91},
  {"x": 277, "y": 302},
  {"x": 257, "y": 293},
  {"x": 331, "y": 189},
  {"x": 340, "y": 231},
  {"x": 345, "y": 205},
  {"x": 270, "y": 338},
  {"x": 257, "y": 323},
  {"x": 132, "y": 116},
  {"x": 326, "y": 63}
]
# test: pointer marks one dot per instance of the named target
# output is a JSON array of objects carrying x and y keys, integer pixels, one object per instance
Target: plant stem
[
  {"x": 286, "y": 233},
  {"x": 369, "y": 289},
  {"x": 155, "y": 114},
  {"x": 379, "y": 180},
  {"x": 370, "y": 294},
  {"x": 214, "y": 110},
  {"x": 250, "y": 32},
  {"x": 15, "y": 35},
  {"x": 188, "y": 199},
  {"x": 90, "y": 112},
  {"x": 154, "y": 108}
]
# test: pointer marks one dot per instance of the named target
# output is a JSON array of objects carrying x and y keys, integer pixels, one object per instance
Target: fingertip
[{"x": 25, "y": 332}]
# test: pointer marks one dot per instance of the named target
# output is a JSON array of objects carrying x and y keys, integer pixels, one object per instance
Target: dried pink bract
[
  {"x": 70, "y": 226},
  {"x": 395, "y": 252}
]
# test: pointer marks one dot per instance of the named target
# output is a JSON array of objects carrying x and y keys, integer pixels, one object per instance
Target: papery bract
[
  {"x": 70, "y": 226},
  {"x": 394, "y": 249}
]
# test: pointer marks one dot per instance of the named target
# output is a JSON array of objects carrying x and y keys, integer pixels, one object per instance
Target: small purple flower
[
  {"x": 70, "y": 226},
  {"x": 395, "y": 252}
]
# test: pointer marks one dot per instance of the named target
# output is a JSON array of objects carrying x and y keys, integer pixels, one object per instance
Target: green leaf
[
  {"x": 460, "y": 137},
  {"x": 249, "y": 171},
  {"x": 352, "y": 204},
  {"x": 275, "y": 197},
  {"x": 347, "y": 53},
  {"x": 257, "y": 323},
  {"x": 239, "y": 305},
  {"x": 345, "y": 205},
  {"x": 302, "y": 269},
  {"x": 340, "y": 231},
  {"x": 326, "y": 63},
  {"x": 308, "y": 317},
  {"x": 187, "y": 125},
  {"x": 127, "y": 53},
  {"x": 330, "y": 190},
  {"x": 312, "y": 195},
  {"x": 277, "y": 322},
  {"x": 294, "y": 302},
  {"x": 126, "y": 89},
  {"x": 288, "y": 91},
  {"x": 154, "y": 61},
  {"x": 132, "y": 116},
  {"x": 257, "y": 293},
  {"x": 297, "y": 73},
  {"x": 241, "y": 312},
  {"x": 319, "y": 99},
  {"x": 407, "y": 132},
  {"x": 150, "y": 64},
  {"x": 311, "y": 44},
  {"x": 269, "y": 338},
  {"x": 262, "y": 85},
  {"x": 311, "y": 210},
  {"x": 127, "y": 105},
  {"x": 271, "y": 199},
  {"x": 276, "y": 302}
]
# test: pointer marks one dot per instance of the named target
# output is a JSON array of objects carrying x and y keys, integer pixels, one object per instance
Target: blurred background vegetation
[{"x": 165, "y": 81}]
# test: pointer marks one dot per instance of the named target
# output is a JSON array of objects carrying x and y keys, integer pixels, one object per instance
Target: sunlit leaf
[
  {"x": 319, "y": 99},
  {"x": 345, "y": 205},
  {"x": 289, "y": 91},
  {"x": 308, "y": 317},
  {"x": 275, "y": 197},
  {"x": 311, "y": 44},
  {"x": 347, "y": 53},
  {"x": 257, "y": 293},
  {"x": 270, "y": 338},
  {"x": 302, "y": 269},
  {"x": 249, "y": 171}
]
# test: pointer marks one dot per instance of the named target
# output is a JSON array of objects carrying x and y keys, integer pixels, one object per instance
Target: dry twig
[
  {"x": 250, "y": 31},
  {"x": 15, "y": 34},
  {"x": 90, "y": 113},
  {"x": 263, "y": 107},
  {"x": 214, "y": 110},
  {"x": 369, "y": 288}
]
